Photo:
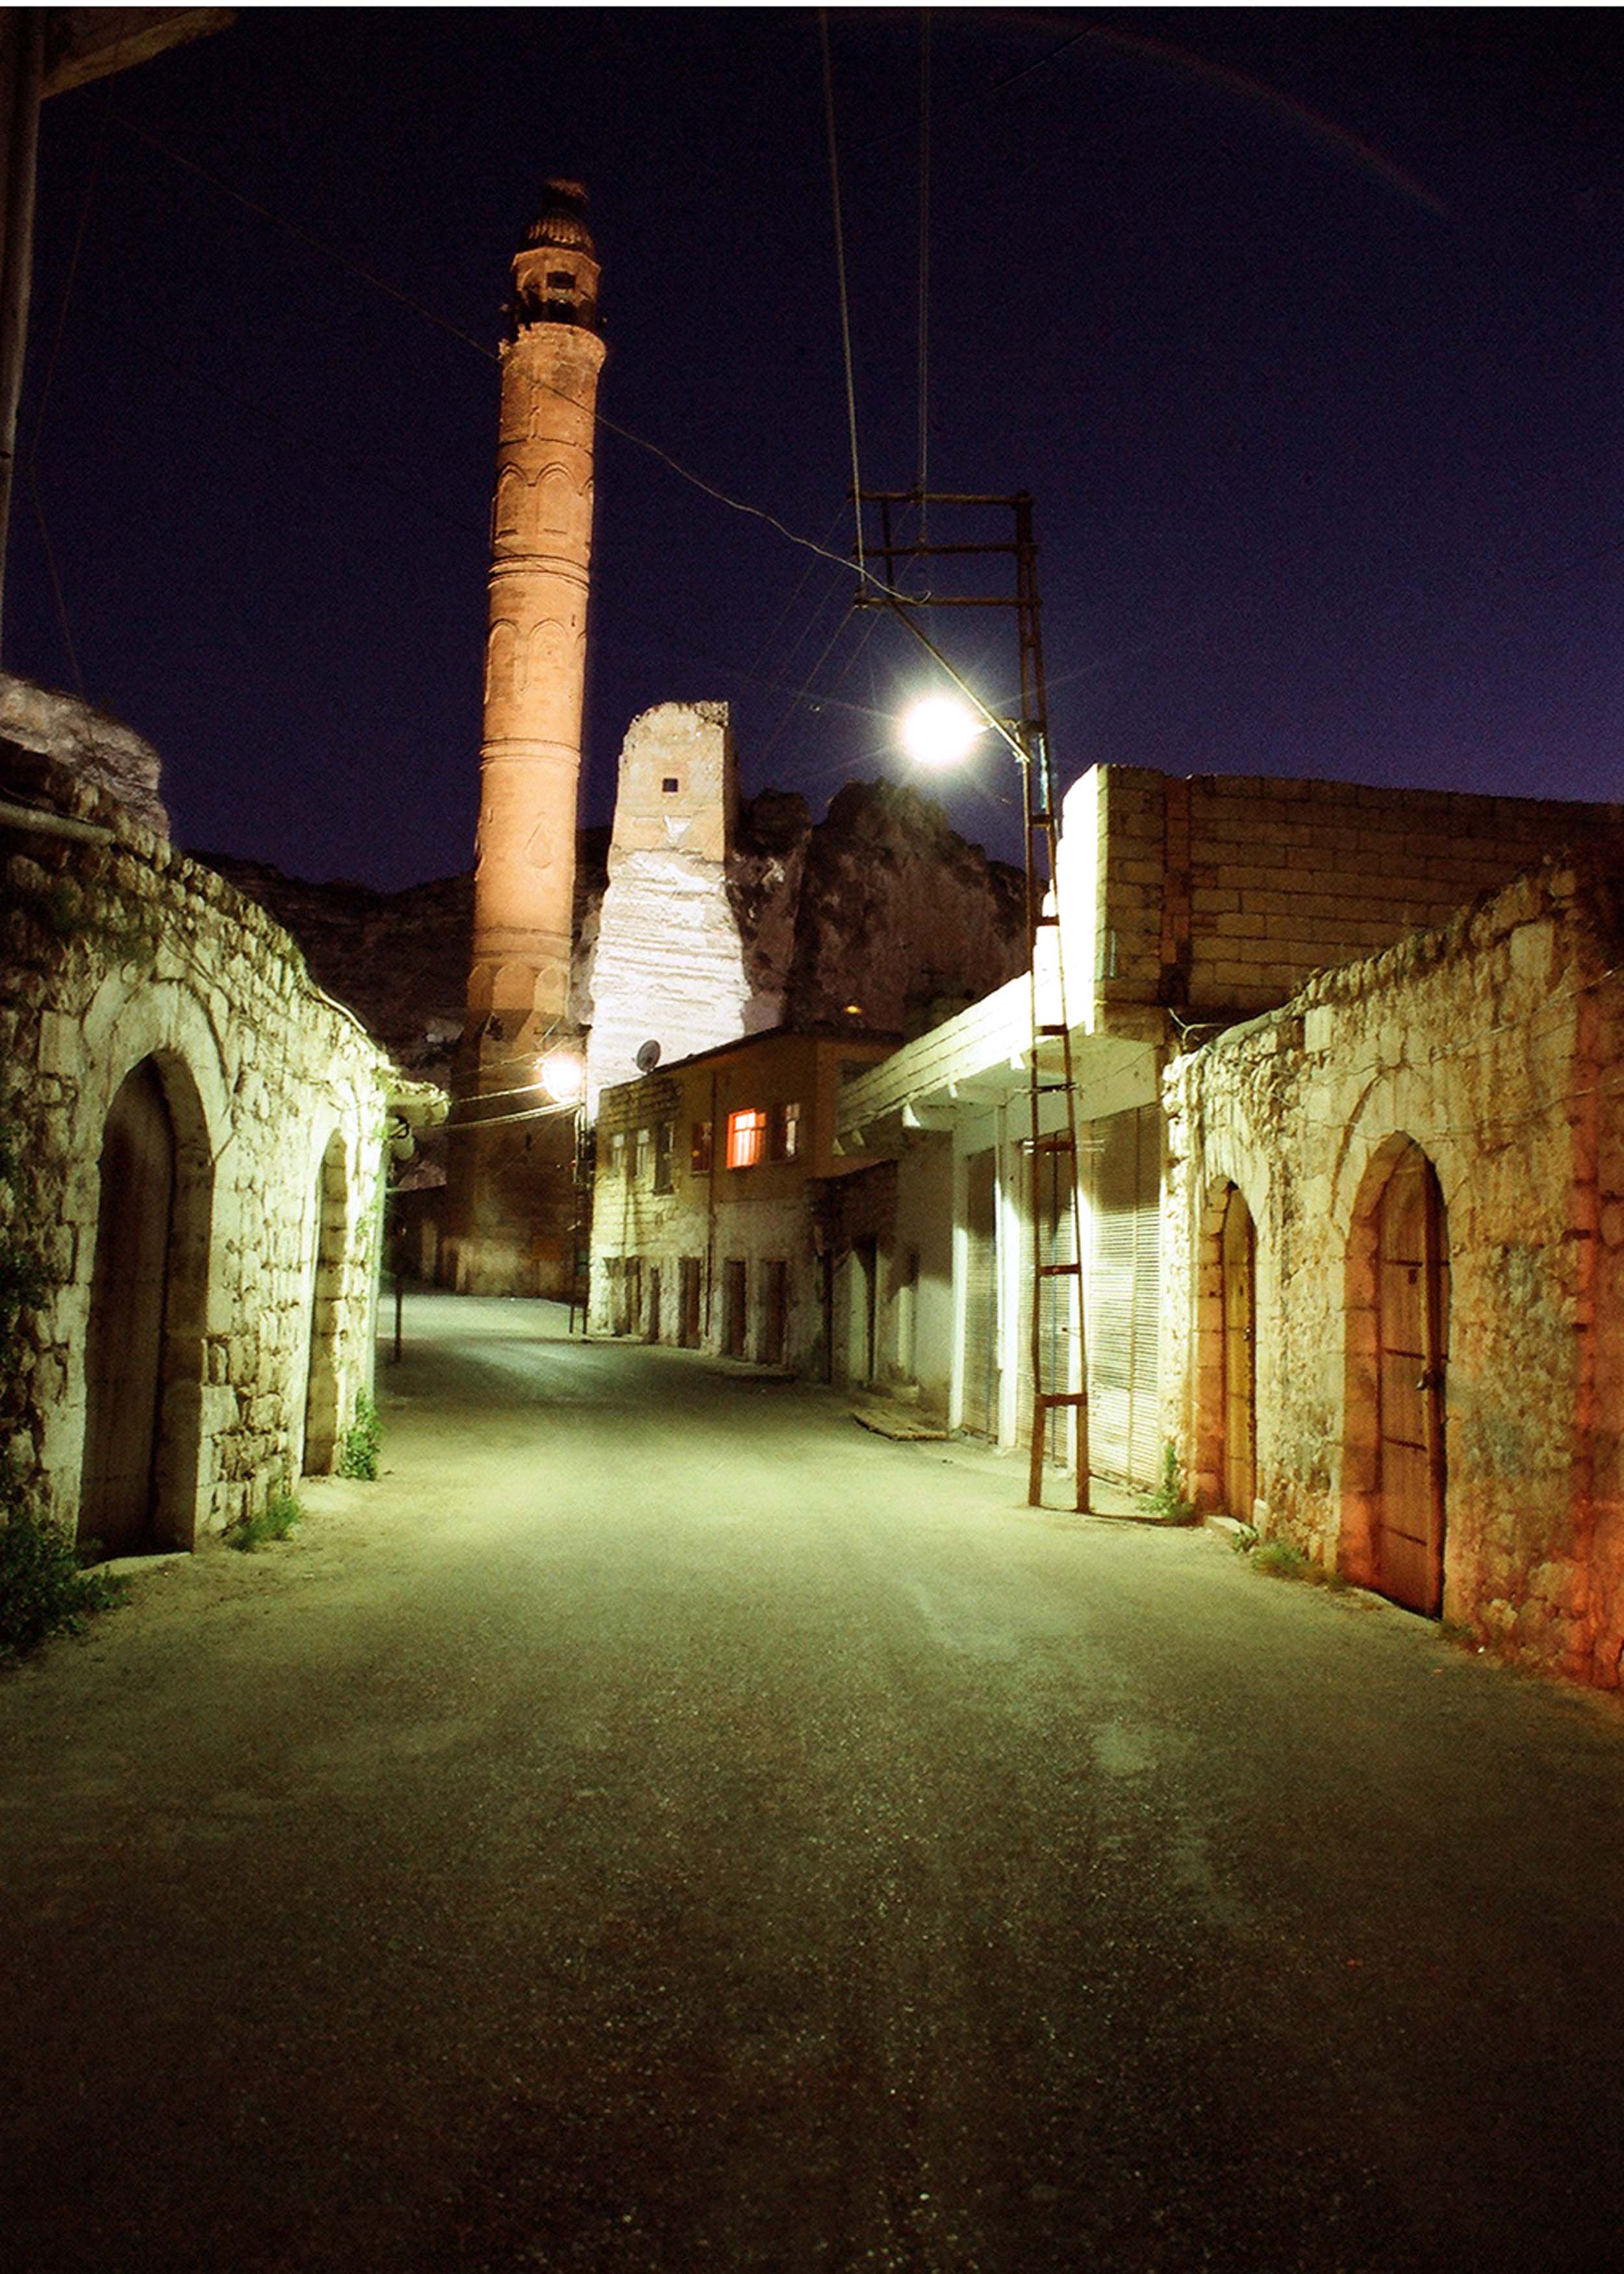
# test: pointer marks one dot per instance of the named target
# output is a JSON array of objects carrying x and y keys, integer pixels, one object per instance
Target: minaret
[{"x": 509, "y": 1218}]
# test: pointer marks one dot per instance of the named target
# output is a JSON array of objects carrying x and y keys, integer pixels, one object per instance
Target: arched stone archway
[
  {"x": 1226, "y": 1353},
  {"x": 1395, "y": 1479},
  {"x": 137, "y": 1483},
  {"x": 322, "y": 1396}
]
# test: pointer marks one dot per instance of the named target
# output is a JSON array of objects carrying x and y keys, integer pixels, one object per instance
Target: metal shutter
[{"x": 1124, "y": 1182}]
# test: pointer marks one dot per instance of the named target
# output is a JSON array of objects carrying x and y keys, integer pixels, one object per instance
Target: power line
[{"x": 846, "y": 312}]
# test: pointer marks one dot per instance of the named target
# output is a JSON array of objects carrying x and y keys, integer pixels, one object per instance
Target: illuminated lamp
[
  {"x": 939, "y": 730},
  {"x": 563, "y": 1076}
]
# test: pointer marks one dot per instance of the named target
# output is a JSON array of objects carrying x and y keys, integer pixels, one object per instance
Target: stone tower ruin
[{"x": 510, "y": 1215}]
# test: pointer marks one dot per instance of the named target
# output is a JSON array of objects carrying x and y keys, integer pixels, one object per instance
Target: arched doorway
[
  {"x": 1237, "y": 1370},
  {"x": 1399, "y": 1347},
  {"x": 129, "y": 1300},
  {"x": 321, "y": 1388}
]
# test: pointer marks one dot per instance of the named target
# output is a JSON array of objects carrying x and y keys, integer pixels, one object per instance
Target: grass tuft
[{"x": 274, "y": 1521}]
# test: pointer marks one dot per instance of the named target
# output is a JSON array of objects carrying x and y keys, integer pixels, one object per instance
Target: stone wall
[
  {"x": 1492, "y": 1045},
  {"x": 1216, "y": 897},
  {"x": 126, "y": 963}
]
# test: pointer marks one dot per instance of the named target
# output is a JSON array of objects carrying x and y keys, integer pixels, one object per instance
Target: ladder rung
[
  {"x": 1062, "y": 1029},
  {"x": 1046, "y": 1397},
  {"x": 1048, "y": 915},
  {"x": 1057, "y": 1271},
  {"x": 1055, "y": 1144}
]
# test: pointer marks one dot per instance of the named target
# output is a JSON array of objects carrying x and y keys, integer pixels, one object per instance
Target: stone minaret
[{"x": 509, "y": 1221}]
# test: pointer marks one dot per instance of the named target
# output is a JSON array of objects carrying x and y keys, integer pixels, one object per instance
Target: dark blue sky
[{"x": 1304, "y": 329}]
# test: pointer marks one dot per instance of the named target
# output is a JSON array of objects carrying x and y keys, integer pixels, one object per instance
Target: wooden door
[
  {"x": 123, "y": 1354},
  {"x": 688, "y": 1295},
  {"x": 654, "y": 1302},
  {"x": 1412, "y": 1302},
  {"x": 734, "y": 1309},
  {"x": 1239, "y": 1248}
]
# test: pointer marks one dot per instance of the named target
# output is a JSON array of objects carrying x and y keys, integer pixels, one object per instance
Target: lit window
[
  {"x": 699, "y": 1150},
  {"x": 662, "y": 1134},
  {"x": 746, "y": 1136},
  {"x": 784, "y": 1141}
]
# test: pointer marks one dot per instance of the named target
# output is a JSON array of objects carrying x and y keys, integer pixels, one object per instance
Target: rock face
[
  {"x": 882, "y": 906},
  {"x": 899, "y": 921},
  {"x": 84, "y": 741}
]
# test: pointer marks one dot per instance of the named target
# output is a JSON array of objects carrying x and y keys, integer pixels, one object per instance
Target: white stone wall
[
  {"x": 122, "y": 952},
  {"x": 669, "y": 966}
]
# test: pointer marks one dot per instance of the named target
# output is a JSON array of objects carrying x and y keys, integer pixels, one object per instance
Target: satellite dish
[{"x": 648, "y": 1057}]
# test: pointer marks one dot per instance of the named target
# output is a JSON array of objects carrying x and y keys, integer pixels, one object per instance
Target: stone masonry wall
[
  {"x": 1217, "y": 897},
  {"x": 119, "y": 952},
  {"x": 1493, "y": 1044}
]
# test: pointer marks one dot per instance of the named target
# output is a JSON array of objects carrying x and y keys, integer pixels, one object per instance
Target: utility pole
[
  {"x": 46, "y": 51},
  {"x": 1052, "y": 1151}
]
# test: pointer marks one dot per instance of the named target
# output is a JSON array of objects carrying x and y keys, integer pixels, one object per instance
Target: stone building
[
  {"x": 1185, "y": 908},
  {"x": 705, "y": 1221},
  {"x": 192, "y": 1182},
  {"x": 1393, "y": 1270}
]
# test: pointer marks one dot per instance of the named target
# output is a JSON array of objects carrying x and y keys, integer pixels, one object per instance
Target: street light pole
[{"x": 1050, "y": 1071}]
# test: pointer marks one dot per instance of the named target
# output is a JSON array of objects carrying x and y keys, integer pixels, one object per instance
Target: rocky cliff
[{"x": 880, "y": 917}]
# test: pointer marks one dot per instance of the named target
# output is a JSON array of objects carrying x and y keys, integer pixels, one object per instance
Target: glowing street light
[
  {"x": 940, "y": 730},
  {"x": 563, "y": 1076}
]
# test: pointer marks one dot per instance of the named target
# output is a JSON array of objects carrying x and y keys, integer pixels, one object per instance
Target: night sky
[{"x": 1303, "y": 327}]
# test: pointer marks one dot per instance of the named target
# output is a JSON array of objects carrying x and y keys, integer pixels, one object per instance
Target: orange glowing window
[{"x": 746, "y": 1137}]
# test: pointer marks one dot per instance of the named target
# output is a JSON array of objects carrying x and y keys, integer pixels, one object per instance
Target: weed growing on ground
[
  {"x": 44, "y": 1588},
  {"x": 357, "y": 1455},
  {"x": 1167, "y": 1504},
  {"x": 1276, "y": 1559},
  {"x": 274, "y": 1521}
]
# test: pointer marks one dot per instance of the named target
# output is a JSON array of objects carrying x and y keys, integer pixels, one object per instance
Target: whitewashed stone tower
[
  {"x": 511, "y": 1202},
  {"x": 670, "y": 964}
]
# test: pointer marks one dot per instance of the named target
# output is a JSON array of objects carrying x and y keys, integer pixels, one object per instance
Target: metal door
[
  {"x": 124, "y": 1345},
  {"x": 1238, "y": 1246},
  {"x": 1412, "y": 1330}
]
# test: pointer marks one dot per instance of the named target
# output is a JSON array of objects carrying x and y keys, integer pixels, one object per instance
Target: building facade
[
  {"x": 1393, "y": 1305},
  {"x": 1185, "y": 908},
  {"x": 191, "y": 1181},
  {"x": 706, "y": 1223}
]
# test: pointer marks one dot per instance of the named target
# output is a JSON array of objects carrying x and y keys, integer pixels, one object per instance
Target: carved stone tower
[{"x": 511, "y": 1200}]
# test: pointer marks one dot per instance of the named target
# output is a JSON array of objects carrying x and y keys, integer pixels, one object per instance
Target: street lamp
[
  {"x": 562, "y": 1074},
  {"x": 939, "y": 730}
]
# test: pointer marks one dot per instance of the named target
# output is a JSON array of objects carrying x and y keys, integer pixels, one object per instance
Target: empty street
[{"x": 661, "y": 1825}]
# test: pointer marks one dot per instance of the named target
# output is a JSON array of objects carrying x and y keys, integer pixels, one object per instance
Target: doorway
[
  {"x": 129, "y": 1300},
  {"x": 1412, "y": 1328},
  {"x": 1239, "y": 1279}
]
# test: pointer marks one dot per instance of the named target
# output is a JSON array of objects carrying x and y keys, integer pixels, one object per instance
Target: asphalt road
[{"x": 661, "y": 1826}]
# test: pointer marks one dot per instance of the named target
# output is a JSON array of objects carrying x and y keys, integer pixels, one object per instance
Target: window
[
  {"x": 662, "y": 1136},
  {"x": 634, "y": 1153},
  {"x": 617, "y": 1154},
  {"x": 559, "y": 280},
  {"x": 746, "y": 1136},
  {"x": 783, "y": 1133},
  {"x": 671, "y": 785},
  {"x": 699, "y": 1150}
]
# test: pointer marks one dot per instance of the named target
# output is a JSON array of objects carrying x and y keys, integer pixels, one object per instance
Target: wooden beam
[{"x": 82, "y": 44}]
